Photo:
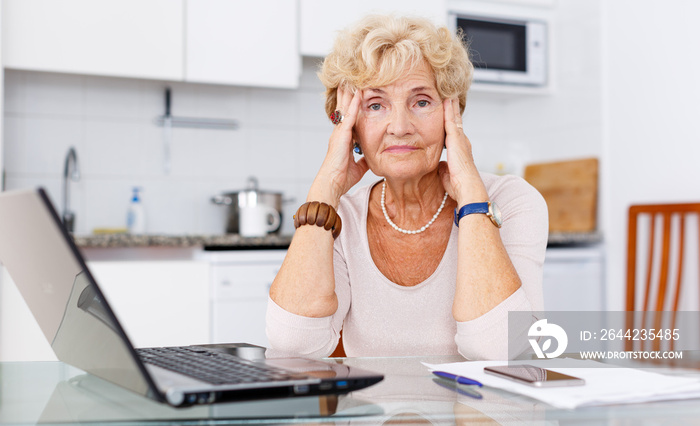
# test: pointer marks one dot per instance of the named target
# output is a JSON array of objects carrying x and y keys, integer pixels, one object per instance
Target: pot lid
[{"x": 252, "y": 187}]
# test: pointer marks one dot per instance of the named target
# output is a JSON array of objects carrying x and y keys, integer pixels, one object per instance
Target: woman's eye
[
  {"x": 375, "y": 107},
  {"x": 422, "y": 103}
]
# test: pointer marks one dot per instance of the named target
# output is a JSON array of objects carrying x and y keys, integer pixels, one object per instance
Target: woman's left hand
[{"x": 459, "y": 175}]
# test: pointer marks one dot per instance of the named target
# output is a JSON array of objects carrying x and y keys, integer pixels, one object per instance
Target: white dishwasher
[
  {"x": 574, "y": 279},
  {"x": 240, "y": 281}
]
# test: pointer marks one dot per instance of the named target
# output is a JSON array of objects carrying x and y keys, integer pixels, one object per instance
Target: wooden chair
[
  {"x": 339, "y": 351},
  {"x": 664, "y": 257}
]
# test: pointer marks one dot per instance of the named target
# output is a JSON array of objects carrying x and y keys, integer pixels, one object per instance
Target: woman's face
[{"x": 400, "y": 126}]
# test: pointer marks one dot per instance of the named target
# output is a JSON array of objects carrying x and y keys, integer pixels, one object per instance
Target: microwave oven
[{"x": 504, "y": 50}]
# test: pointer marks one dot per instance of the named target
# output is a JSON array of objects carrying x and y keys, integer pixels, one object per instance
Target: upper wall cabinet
[
  {"x": 252, "y": 43},
  {"x": 125, "y": 38},
  {"x": 322, "y": 19}
]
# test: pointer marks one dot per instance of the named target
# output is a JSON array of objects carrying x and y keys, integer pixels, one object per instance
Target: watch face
[{"x": 495, "y": 214}]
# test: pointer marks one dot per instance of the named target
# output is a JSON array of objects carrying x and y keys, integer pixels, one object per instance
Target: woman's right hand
[
  {"x": 305, "y": 284},
  {"x": 339, "y": 171}
]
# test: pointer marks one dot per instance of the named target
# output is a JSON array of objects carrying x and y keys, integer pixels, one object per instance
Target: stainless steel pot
[{"x": 249, "y": 197}]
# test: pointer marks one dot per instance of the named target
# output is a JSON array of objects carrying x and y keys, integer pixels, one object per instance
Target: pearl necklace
[{"x": 405, "y": 231}]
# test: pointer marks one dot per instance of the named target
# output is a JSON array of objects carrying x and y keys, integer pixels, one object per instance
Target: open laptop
[{"x": 83, "y": 331}]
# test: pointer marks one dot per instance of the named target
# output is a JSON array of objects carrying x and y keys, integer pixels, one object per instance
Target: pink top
[{"x": 381, "y": 318}]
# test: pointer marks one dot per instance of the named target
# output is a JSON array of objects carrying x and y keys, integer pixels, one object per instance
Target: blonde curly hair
[{"x": 380, "y": 49}]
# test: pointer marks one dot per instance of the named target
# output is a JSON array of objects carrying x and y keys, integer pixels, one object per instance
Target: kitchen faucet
[{"x": 71, "y": 159}]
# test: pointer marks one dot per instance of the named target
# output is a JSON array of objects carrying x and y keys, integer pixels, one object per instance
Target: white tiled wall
[
  {"x": 281, "y": 140},
  {"x": 282, "y": 137}
]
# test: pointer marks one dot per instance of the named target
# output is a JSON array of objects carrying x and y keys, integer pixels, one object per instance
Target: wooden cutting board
[{"x": 570, "y": 189}]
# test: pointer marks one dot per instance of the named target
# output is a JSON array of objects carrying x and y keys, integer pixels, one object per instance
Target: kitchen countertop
[
  {"x": 558, "y": 239},
  {"x": 208, "y": 242},
  {"x": 236, "y": 242}
]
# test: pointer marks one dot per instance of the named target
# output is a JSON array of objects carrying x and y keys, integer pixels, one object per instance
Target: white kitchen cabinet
[
  {"x": 217, "y": 297},
  {"x": 240, "y": 283},
  {"x": 125, "y": 38},
  {"x": 574, "y": 279},
  {"x": 159, "y": 303},
  {"x": 243, "y": 43},
  {"x": 321, "y": 20}
]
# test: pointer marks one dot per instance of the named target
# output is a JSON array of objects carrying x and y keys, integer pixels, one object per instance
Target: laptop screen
[{"x": 64, "y": 299}]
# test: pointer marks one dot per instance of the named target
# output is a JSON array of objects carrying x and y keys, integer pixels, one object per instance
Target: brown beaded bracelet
[{"x": 319, "y": 214}]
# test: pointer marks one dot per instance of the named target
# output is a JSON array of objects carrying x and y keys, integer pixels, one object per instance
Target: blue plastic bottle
[{"x": 136, "y": 216}]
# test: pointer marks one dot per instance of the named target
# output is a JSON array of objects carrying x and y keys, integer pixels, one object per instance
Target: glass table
[{"x": 55, "y": 393}]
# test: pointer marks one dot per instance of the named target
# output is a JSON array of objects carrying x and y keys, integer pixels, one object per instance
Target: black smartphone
[{"x": 534, "y": 376}]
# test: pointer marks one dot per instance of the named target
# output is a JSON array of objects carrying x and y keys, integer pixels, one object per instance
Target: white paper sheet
[{"x": 605, "y": 385}]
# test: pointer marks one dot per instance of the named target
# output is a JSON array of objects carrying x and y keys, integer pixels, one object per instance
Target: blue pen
[{"x": 459, "y": 379}]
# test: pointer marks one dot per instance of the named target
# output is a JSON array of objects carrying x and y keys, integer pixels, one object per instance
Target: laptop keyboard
[{"x": 211, "y": 366}]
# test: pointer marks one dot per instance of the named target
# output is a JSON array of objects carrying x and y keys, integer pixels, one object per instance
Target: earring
[{"x": 356, "y": 148}]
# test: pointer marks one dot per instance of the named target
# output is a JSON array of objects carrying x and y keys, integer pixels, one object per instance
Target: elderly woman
[{"x": 390, "y": 264}]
